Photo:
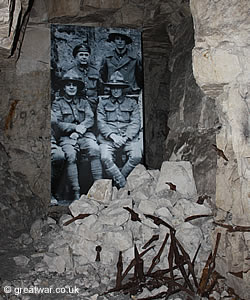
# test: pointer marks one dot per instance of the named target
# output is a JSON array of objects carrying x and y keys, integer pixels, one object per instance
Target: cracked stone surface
[{"x": 224, "y": 54}]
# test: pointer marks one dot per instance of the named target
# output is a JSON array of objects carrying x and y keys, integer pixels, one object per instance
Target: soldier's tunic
[
  {"x": 57, "y": 154},
  {"x": 90, "y": 77},
  {"x": 122, "y": 117},
  {"x": 71, "y": 113},
  {"x": 128, "y": 64}
]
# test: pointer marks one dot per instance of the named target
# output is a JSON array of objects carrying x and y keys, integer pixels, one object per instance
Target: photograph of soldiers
[
  {"x": 75, "y": 118},
  {"x": 57, "y": 158},
  {"x": 124, "y": 60},
  {"x": 118, "y": 119},
  {"x": 84, "y": 65},
  {"x": 88, "y": 73}
]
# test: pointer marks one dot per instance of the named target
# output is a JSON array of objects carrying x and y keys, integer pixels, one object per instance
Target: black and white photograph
[{"x": 96, "y": 108}]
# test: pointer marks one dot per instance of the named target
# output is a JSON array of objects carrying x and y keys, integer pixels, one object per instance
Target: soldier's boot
[
  {"x": 96, "y": 168},
  {"x": 72, "y": 176},
  {"x": 76, "y": 194},
  {"x": 116, "y": 175},
  {"x": 129, "y": 166}
]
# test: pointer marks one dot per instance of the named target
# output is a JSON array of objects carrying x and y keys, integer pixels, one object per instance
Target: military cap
[
  {"x": 81, "y": 48},
  {"x": 113, "y": 34},
  {"x": 71, "y": 76},
  {"x": 117, "y": 80}
]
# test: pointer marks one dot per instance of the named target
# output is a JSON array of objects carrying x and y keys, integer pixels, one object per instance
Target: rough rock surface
[
  {"x": 192, "y": 119},
  {"x": 112, "y": 227},
  {"x": 221, "y": 67},
  {"x": 181, "y": 175},
  {"x": 178, "y": 114},
  {"x": 61, "y": 261},
  {"x": 101, "y": 190}
]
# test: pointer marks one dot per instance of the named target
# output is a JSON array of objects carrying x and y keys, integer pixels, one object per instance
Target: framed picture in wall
[{"x": 96, "y": 107}]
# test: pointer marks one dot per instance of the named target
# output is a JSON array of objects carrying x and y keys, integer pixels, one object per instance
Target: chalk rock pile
[{"x": 107, "y": 221}]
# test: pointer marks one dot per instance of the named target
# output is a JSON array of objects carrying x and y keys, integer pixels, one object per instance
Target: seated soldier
[
  {"x": 75, "y": 118},
  {"x": 118, "y": 120},
  {"x": 57, "y": 159}
]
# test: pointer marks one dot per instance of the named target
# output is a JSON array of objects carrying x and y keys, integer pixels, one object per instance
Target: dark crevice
[{"x": 20, "y": 29}]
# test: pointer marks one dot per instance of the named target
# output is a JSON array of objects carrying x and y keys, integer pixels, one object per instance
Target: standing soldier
[
  {"x": 123, "y": 60},
  {"x": 118, "y": 120},
  {"x": 75, "y": 118},
  {"x": 88, "y": 73}
]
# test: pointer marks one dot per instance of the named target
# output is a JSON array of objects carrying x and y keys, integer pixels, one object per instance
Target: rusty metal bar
[
  {"x": 171, "y": 260},
  {"x": 179, "y": 260},
  {"x": 119, "y": 271},
  {"x": 138, "y": 265},
  {"x": 158, "y": 221},
  {"x": 196, "y": 217},
  {"x": 171, "y": 185},
  {"x": 162, "y": 272},
  {"x": 204, "y": 276},
  {"x": 220, "y": 152},
  {"x": 134, "y": 216},
  {"x": 190, "y": 264},
  {"x": 132, "y": 263},
  {"x": 153, "y": 238},
  {"x": 235, "y": 228},
  {"x": 214, "y": 279},
  {"x": 80, "y": 216},
  {"x": 157, "y": 258},
  {"x": 209, "y": 267}
]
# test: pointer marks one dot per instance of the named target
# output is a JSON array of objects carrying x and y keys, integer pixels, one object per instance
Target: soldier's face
[
  {"x": 116, "y": 92},
  {"x": 82, "y": 58},
  {"x": 70, "y": 88},
  {"x": 119, "y": 42}
]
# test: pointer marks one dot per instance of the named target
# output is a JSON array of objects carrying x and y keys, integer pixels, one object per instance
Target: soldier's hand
[
  {"x": 118, "y": 140},
  {"x": 125, "y": 139},
  {"x": 74, "y": 136},
  {"x": 122, "y": 140},
  {"x": 81, "y": 129}
]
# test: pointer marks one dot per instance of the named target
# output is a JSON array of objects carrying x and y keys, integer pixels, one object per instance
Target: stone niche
[{"x": 196, "y": 94}]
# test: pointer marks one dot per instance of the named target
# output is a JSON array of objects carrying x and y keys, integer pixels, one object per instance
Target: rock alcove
[{"x": 184, "y": 116}]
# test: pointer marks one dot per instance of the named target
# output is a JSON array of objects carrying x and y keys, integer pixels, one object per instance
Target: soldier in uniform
[
  {"x": 118, "y": 120},
  {"x": 88, "y": 73},
  {"x": 57, "y": 158},
  {"x": 75, "y": 118},
  {"x": 124, "y": 60}
]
